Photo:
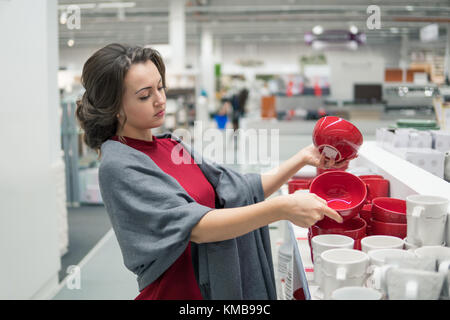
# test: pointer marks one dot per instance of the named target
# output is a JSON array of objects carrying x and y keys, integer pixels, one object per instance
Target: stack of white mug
[
  {"x": 383, "y": 269},
  {"x": 424, "y": 275},
  {"x": 426, "y": 221}
]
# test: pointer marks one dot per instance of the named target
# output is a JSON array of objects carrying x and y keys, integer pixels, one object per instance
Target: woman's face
[{"x": 144, "y": 98}]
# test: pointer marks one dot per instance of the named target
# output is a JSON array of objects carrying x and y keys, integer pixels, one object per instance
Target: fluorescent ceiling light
[
  {"x": 394, "y": 30},
  {"x": 79, "y": 5},
  {"x": 409, "y": 8},
  {"x": 70, "y": 42},
  {"x": 115, "y": 5},
  {"x": 317, "y": 29}
]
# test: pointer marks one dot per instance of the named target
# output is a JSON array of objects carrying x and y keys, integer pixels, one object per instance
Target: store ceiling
[{"x": 277, "y": 21}]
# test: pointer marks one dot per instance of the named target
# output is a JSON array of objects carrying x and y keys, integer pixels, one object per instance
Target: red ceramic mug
[
  {"x": 343, "y": 191},
  {"x": 389, "y": 210},
  {"x": 298, "y": 184},
  {"x": 376, "y": 188},
  {"x": 337, "y": 138}
]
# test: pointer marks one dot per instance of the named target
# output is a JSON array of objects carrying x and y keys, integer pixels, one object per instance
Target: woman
[{"x": 188, "y": 229}]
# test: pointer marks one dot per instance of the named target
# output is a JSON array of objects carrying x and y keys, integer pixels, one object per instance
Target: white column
[
  {"x": 207, "y": 74},
  {"x": 404, "y": 55},
  {"x": 29, "y": 126},
  {"x": 177, "y": 35},
  {"x": 447, "y": 54}
]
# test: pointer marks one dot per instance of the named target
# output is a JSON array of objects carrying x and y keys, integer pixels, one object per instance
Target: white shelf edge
[{"x": 405, "y": 177}]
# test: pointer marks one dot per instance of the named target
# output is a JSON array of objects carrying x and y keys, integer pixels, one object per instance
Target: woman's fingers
[
  {"x": 332, "y": 214},
  {"x": 323, "y": 201}
]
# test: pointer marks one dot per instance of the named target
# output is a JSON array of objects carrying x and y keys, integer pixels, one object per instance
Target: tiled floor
[{"x": 103, "y": 274}]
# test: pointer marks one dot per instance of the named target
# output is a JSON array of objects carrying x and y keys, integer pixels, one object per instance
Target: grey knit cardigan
[{"x": 152, "y": 217}]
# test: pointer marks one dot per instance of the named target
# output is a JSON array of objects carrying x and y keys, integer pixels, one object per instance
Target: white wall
[
  {"x": 29, "y": 128},
  {"x": 348, "y": 68}
]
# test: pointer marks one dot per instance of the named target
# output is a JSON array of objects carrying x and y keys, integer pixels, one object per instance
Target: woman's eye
[
  {"x": 144, "y": 98},
  {"x": 162, "y": 88}
]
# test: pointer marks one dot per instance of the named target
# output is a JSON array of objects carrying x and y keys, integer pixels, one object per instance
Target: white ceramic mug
[
  {"x": 409, "y": 246},
  {"x": 426, "y": 219},
  {"x": 342, "y": 268},
  {"x": 381, "y": 242},
  {"x": 444, "y": 268},
  {"x": 323, "y": 242},
  {"x": 412, "y": 284},
  {"x": 438, "y": 253},
  {"x": 447, "y": 230},
  {"x": 379, "y": 258},
  {"x": 356, "y": 293}
]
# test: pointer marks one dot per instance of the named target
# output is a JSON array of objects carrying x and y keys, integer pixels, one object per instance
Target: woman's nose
[{"x": 160, "y": 98}]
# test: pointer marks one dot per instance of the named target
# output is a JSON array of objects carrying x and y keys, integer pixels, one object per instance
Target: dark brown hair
[{"x": 103, "y": 78}]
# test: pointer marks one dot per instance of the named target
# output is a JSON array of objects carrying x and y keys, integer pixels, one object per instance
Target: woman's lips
[{"x": 160, "y": 114}]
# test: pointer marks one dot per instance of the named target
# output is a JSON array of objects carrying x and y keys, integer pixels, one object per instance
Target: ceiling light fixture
[
  {"x": 70, "y": 42},
  {"x": 116, "y": 5},
  {"x": 79, "y": 5},
  {"x": 63, "y": 18},
  {"x": 409, "y": 8},
  {"x": 317, "y": 29},
  {"x": 353, "y": 29}
]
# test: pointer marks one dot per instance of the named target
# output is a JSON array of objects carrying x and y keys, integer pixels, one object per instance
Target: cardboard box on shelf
[
  {"x": 420, "y": 139},
  {"x": 401, "y": 138},
  {"x": 441, "y": 140},
  {"x": 426, "y": 158},
  {"x": 384, "y": 137}
]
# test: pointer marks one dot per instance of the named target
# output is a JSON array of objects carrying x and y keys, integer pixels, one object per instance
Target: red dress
[{"x": 178, "y": 281}]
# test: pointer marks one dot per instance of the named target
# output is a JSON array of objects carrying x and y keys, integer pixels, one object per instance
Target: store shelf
[{"x": 405, "y": 179}]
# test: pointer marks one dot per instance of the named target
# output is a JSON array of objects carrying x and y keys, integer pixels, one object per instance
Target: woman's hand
[
  {"x": 305, "y": 209},
  {"x": 310, "y": 155}
]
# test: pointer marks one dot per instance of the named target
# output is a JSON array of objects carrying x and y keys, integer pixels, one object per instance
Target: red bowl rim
[
  {"x": 346, "y": 173},
  {"x": 387, "y": 210},
  {"x": 389, "y": 224},
  {"x": 350, "y": 230},
  {"x": 371, "y": 176}
]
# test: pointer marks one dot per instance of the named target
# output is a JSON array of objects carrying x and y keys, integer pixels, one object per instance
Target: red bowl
[
  {"x": 343, "y": 191},
  {"x": 366, "y": 212},
  {"x": 354, "y": 228},
  {"x": 390, "y": 210},
  {"x": 389, "y": 229},
  {"x": 376, "y": 188},
  {"x": 298, "y": 184},
  {"x": 339, "y": 135}
]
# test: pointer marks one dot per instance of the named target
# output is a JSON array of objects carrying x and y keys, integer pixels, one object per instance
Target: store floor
[{"x": 103, "y": 274}]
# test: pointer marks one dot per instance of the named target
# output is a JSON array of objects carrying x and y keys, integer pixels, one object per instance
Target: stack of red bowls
[
  {"x": 354, "y": 228},
  {"x": 388, "y": 217},
  {"x": 345, "y": 193},
  {"x": 377, "y": 186},
  {"x": 298, "y": 184}
]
